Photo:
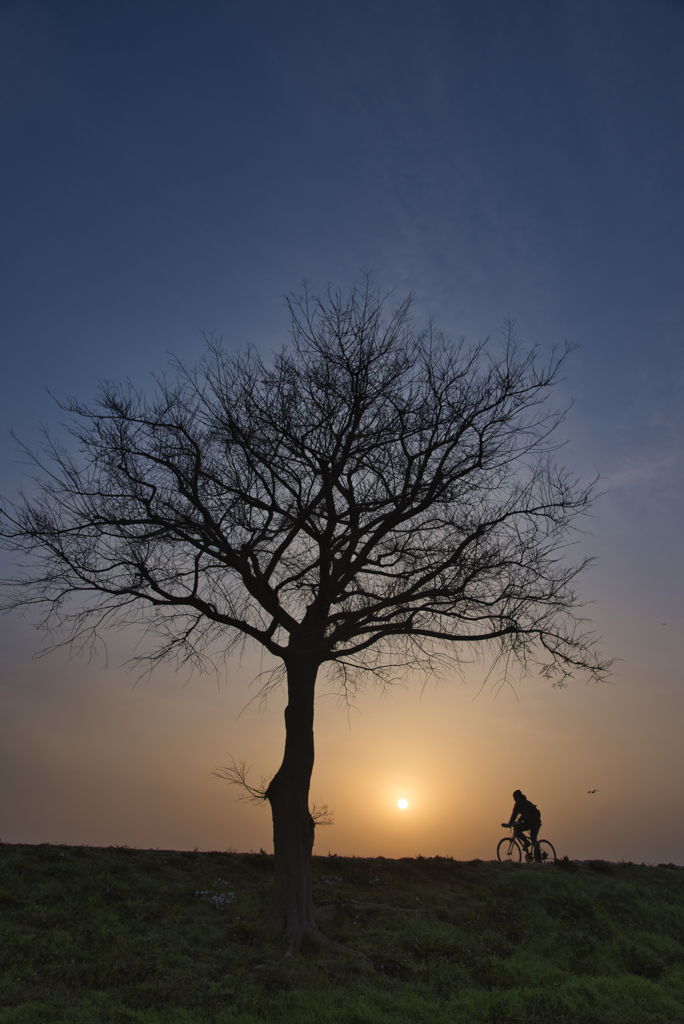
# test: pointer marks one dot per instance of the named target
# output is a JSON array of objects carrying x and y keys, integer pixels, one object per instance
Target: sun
[{"x": 403, "y": 804}]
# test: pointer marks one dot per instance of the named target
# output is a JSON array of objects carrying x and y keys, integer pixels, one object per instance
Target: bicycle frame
[
  {"x": 517, "y": 843},
  {"x": 519, "y": 834}
]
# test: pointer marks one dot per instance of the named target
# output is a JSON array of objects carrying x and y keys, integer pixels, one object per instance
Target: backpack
[{"x": 531, "y": 811}]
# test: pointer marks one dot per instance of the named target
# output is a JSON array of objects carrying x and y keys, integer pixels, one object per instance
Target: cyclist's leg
[
  {"x": 534, "y": 832},
  {"x": 520, "y": 829}
]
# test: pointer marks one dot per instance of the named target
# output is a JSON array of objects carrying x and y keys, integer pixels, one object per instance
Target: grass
[{"x": 117, "y": 935}]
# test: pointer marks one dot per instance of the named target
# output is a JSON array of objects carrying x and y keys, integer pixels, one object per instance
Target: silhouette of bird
[{"x": 592, "y": 791}]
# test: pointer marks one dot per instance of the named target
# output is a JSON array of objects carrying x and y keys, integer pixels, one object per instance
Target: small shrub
[{"x": 565, "y": 864}]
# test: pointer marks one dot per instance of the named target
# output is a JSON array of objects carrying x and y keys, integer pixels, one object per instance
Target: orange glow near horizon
[{"x": 100, "y": 761}]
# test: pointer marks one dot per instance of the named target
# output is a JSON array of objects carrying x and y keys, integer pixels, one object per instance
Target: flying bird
[{"x": 592, "y": 791}]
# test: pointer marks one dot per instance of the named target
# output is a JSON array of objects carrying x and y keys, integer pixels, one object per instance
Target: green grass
[{"x": 116, "y": 935}]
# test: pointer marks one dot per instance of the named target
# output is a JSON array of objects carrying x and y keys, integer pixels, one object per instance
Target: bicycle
[{"x": 512, "y": 848}]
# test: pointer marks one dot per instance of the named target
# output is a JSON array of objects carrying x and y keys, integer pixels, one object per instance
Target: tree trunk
[{"x": 293, "y": 826}]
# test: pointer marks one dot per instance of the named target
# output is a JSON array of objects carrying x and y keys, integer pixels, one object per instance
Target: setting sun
[{"x": 403, "y": 804}]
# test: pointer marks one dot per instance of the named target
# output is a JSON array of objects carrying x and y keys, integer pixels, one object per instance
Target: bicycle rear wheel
[
  {"x": 508, "y": 849},
  {"x": 548, "y": 854}
]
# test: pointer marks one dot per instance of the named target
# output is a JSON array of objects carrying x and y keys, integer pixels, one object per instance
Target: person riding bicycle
[{"x": 526, "y": 817}]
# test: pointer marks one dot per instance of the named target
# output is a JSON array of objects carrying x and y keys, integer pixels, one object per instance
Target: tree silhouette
[{"x": 370, "y": 500}]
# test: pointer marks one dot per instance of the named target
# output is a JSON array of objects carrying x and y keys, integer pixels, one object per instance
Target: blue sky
[{"x": 171, "y": 167}]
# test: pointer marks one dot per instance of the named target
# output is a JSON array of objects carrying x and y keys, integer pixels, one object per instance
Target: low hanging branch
[{"x": 236, "y": 775}]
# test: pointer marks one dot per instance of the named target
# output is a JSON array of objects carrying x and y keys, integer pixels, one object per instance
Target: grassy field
[{"x": 118, "y": 935}]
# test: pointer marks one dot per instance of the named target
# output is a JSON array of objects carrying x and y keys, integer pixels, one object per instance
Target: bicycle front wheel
[
  {"x": 548, "y": 854},
  {"x": 508, "y": 849}
]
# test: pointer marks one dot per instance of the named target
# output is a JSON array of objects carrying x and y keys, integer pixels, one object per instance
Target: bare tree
[{"x": 370, "y": 500}]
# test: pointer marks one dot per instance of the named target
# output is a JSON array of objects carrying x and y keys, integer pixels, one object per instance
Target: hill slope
[{"x": 161, "y": 937}]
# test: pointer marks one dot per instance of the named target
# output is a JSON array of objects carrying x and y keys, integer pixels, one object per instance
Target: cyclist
[{"x": 528, "y": 818}]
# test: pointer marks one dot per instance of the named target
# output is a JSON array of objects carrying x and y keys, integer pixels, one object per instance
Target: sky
[{"x": 171, "y": 168}]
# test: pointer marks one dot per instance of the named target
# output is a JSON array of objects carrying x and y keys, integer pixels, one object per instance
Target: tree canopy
[{"x": 387, "y": 494}]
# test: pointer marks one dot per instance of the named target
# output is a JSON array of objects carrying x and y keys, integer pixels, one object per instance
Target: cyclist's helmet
[{"x": 518, "y": 794}]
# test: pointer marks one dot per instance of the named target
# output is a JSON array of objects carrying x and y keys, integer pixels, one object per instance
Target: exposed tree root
[
  {"x": 354, "y": 908},
  {"x": 294, "y": 936},
  {"x": 322, "y": 940},
  {"x": 329, "y": 912},
  {"x": 363, "y": 907}
]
